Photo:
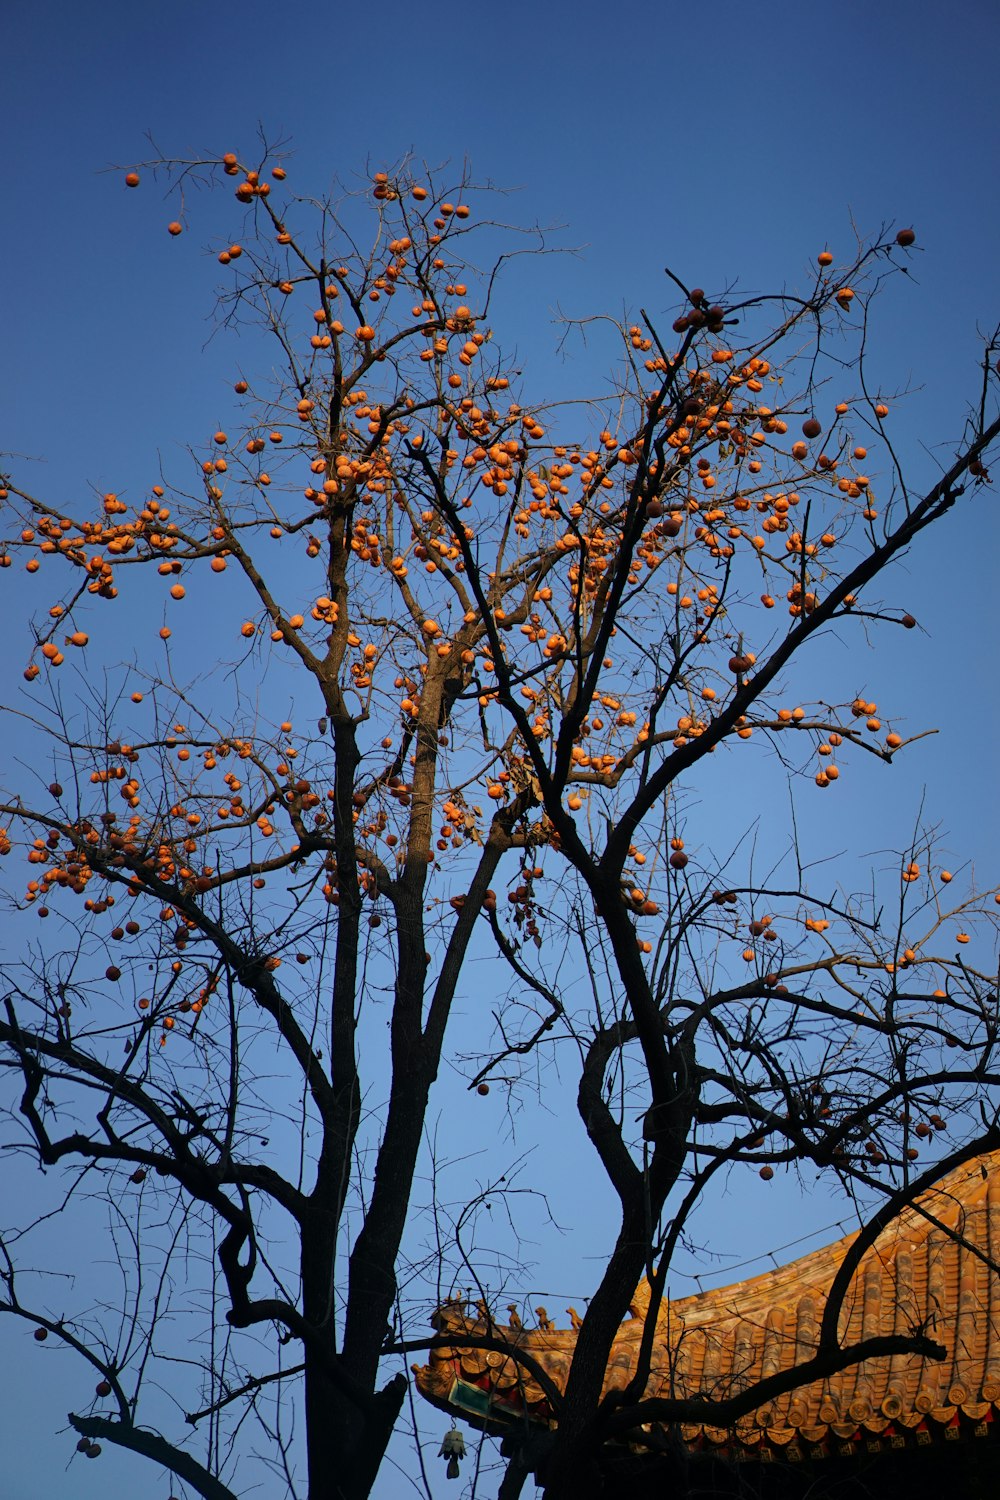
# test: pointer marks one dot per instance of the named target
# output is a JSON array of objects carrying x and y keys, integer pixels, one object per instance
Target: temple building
[{"x": 896, "y": 1424}]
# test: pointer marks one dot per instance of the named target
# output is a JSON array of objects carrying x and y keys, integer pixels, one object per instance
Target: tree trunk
[{"x": 345, "y": 1445}]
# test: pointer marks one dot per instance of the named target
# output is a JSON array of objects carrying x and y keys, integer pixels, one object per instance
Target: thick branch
[
  {"x": 931, "y": 508},
  {"x": 152, "y": 1445},
  {"x": 725, "y": 1413}
]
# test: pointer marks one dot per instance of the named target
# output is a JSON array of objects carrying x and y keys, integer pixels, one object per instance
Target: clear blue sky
[{"x": 733, "y": 143}]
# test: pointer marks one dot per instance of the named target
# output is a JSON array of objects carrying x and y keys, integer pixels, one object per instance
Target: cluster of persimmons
[{"x": 463, "y": 575}]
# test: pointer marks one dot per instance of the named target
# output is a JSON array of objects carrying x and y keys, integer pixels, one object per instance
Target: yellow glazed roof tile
[{"x": 932, "y": 1267}]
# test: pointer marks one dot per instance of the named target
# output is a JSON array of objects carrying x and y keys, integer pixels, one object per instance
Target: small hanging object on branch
[{"x": 453, "y": 1449}]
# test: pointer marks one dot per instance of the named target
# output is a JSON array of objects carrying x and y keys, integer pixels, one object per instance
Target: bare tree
[{"x": 512, "y": 632}]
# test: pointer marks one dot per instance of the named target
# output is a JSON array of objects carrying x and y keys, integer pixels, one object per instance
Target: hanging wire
[{"x": 761, "y": 1255}]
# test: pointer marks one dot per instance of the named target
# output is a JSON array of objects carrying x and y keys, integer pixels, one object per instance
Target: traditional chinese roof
[{"x": 931, "y": 1268}]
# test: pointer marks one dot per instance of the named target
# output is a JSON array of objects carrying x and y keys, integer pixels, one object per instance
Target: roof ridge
[{"x": 958, "y": 1190}]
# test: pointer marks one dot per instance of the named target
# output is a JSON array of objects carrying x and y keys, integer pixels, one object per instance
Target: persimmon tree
[{"x": 513, "y": 632}]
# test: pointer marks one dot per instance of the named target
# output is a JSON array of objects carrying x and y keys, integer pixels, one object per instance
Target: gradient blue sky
[{"x": 733, "y": 142}]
